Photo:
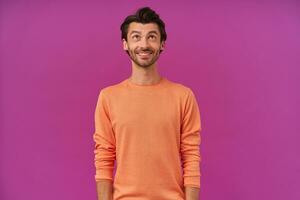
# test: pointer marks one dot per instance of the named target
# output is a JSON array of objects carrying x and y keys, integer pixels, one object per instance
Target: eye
[
  {"x": 135, "y": 36},
  {"x": 152, "y": 36}
]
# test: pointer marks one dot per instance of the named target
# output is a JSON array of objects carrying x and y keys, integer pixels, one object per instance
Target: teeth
[{"x": 144, "y": 53}]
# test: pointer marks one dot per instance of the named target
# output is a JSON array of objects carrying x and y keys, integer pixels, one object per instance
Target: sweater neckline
[{"x": 155, "y": 85}]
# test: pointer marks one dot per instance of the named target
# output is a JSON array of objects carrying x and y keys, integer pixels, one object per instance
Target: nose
[{"x": 144, "y": 42}]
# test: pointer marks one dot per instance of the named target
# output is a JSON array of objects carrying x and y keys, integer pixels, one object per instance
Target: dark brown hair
[{"x": 144, "y": 15}]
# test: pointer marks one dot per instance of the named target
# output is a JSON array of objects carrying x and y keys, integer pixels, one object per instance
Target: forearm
[
  {"x": 192, "y": 193},
  {"x": 104, "y": 189}
]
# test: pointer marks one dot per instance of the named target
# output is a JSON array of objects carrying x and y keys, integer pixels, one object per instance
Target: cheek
[
  {"x": 131, "y": 47},
  {"x": 156, "y": 45}
]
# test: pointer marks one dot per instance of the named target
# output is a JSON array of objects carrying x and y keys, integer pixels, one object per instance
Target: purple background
[{"x": 240, "y": 58}]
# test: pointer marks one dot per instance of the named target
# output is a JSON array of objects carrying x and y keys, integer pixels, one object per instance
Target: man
[{"x": 148, "y": 124}]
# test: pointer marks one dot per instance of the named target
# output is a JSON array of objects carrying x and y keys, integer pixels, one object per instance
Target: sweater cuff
[
  {"x": 104, "y": 174},
  {"x": 192, "y": 181}
]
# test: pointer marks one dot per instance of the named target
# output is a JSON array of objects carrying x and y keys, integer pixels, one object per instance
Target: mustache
[{"x": 143, "y": 50}]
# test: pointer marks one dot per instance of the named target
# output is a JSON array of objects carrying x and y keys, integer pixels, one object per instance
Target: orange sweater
[{"x": 153, "y": 133}]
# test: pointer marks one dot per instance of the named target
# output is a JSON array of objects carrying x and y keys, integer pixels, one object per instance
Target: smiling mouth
[{"x": 144, "y": 54}]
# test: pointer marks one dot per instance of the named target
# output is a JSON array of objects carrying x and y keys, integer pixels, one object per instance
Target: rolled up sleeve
[
  {"x": 104, "y": 138},
  {"x": 190, "y": 141}
]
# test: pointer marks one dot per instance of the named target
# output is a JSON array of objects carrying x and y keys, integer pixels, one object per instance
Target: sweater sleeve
[
  {"x": 190, "y": 141},
  {"x": 104, "y": 138}
]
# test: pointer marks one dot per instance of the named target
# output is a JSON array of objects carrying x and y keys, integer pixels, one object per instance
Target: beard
[{"x": 144, "y": 61}]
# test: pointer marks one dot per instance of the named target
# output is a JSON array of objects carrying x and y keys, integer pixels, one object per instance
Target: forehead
[{"x": 143, "y": 28}]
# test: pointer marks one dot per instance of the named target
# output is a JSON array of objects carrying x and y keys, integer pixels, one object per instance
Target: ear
[
  {"x": 162, "y": 45},
  {"x": 125, "y": 45}
]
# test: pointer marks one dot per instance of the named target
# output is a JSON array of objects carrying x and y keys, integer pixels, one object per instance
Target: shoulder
[
  {"x": 111, "y": 90},
  {"x": 180, "y": 88}
]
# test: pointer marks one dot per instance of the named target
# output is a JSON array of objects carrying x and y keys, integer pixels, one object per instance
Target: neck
[{"x": 145, "y": 76}]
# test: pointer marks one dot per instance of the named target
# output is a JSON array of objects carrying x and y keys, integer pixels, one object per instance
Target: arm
[
  {"x": 191, "y": 193},
  {"x": 190, "y": 147},
  {"x": 104, "y": 189},
  {"x": 104, "y": 150}
]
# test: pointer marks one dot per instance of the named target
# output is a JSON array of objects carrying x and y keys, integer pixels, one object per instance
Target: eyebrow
[{"x": 155, "y": 32}]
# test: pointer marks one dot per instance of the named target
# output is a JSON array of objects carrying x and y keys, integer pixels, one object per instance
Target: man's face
[{"x": 143, "y": 43}]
